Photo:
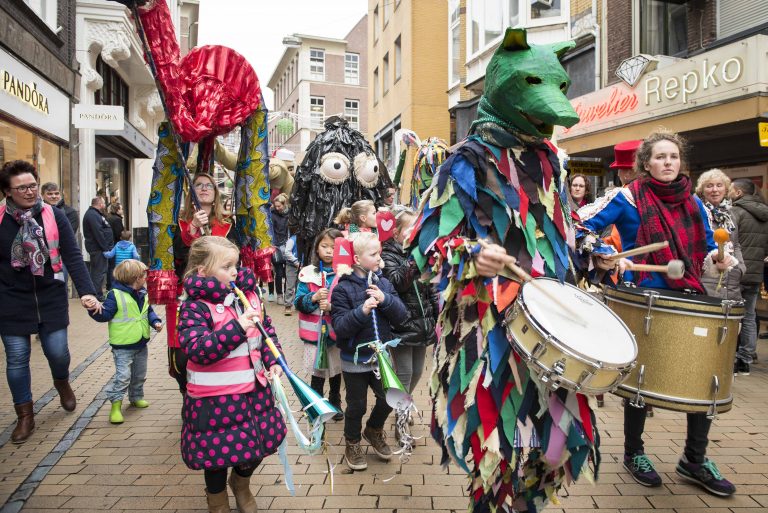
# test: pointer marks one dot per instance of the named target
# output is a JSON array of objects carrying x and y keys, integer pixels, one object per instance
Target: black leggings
[{"x": 216, "y": 480}]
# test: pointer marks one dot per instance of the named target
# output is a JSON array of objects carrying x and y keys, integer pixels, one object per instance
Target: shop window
[
  {"x": 17, "y": 143},
  {"x": 352, "y": 113},
  {"x": 317, "y": 63},
  {"x": 114, "y": 90},
  {"x": 46, "y": 10},
  {"x": 663, "y": 28},
  {"x": 317, "y": 111},
  {"x": 398, "y": 59},
  {"x": 110, "y": 177},
  {"x": 351, "y": 68}
]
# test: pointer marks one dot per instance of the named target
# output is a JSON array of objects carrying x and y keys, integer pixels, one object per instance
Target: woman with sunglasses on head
[
  {"x": 36, "y": 241},
  {"x": 192, "y": 225}
]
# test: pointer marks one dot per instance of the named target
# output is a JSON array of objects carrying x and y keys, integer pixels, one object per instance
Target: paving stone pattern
[{"x": 78, "y": 462}]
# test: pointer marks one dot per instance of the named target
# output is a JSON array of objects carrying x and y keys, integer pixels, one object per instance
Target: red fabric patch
[
  {"x": 486, "y": 407},
  {"x": 586, "y": 416},
  {"x": 546, "y": 167},
  {"x": 477, "y": 450},
  {"x": 503, "y": 164},
  {"x": 523, "y": 205},
  {"x": 469, "y": 290}
]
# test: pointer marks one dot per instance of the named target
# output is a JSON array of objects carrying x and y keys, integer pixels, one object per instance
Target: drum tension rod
[
  {"x": 723, "y": 330},
  {"x": 712, "y": 413},
  {"x": 651, "y": 297},
  {"x": 638, "y": 401}
]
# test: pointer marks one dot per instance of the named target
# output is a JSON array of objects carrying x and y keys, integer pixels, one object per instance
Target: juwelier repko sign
[
  {"x": 718, "y": 76},
  {"x": 30, "y": 98}
]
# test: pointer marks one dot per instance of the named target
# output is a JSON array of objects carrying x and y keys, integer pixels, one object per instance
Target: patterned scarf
[
  {"x": 721, "y": 215},
  {"x": 29, "y": 248},
  {"x": 668, "y": 211}
]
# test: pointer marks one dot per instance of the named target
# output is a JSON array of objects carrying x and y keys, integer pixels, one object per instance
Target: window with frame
[
  {"x": 398, "y": 58},
  {"x": 376, "y": 28},
  {"x": 46, "y": 10},
  {"x": 487, "y": 19},
  {"x": 352, "y": 113},
  {"x": 376, "y": 86},
  {"x": 663, "y": 28},
  {"x": 352, "y": 68},
  {"x": 388, "y": 8},
  {"x": 317, "y": 63},
  {"x": 385, "y": 73},
  {"x": 114, "y": 90},
  {"x": 316, "y": 111},
  {"x": 454, "y": 58},
  {"x": 545, "y": 9}
]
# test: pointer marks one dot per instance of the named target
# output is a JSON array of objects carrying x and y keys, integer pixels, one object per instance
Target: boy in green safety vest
[{"x": 127, "y": 310}]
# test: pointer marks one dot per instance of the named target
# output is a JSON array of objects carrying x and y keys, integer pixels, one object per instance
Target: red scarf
[{"x": 669, "y": 212}]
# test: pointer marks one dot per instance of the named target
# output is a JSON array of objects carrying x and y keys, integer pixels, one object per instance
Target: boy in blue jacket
[
  {"x": 352, "y": 303},
  {"x": 123, "y": 250},
  {"x": 127, "y": 310}
]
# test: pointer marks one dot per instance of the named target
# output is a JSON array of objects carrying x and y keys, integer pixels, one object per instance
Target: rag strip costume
[
  {"x": 518, "y": 442},
  {"x": 430, "y": 155},
  {"x": 339, "y": 168}
]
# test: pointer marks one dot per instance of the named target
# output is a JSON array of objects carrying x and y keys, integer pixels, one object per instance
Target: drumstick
[
  {"x": 642, "y": 250},
  {"x": 509, "y": 262},
  {"x": 675, "y": 269},
  {"x": 721, "y": 236}
]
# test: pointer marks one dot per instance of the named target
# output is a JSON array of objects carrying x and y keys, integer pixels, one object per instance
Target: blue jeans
[
  {"x": 748, "y": 335},
  {"x": 130, "y": 374},
  {"x": 17, "y": 351}
]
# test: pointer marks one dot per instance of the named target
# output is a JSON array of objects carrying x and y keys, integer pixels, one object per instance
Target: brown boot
[
  {"x": 217, "y": 502},
  {"x": 25, "y": 425},
  {"x": 66, "y": 395},
  {"x": 241, "y": 489}
]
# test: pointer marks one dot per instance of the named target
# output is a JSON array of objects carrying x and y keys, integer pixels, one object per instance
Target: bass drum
[
  {"x": 686, "y": 343},
  {"x": 591, "y": 354}
]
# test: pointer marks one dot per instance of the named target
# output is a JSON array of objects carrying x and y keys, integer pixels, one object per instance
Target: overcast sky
[{"x": 256, "y": 28}]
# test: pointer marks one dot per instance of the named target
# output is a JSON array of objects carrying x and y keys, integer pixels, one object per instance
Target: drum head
[{"x": 600, "y": 334}]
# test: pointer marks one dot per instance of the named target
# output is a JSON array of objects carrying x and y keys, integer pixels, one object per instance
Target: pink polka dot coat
[{"x": 226, "y": 430}]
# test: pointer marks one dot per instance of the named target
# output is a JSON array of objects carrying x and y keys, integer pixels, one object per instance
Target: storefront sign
[
  {"x": 100, "y": 117},
  {"x": 762, "y": 131},
  {"x": 721, "y": 75},
  {"x": 31, "y": 99},
  {"x": 585, "y": 166}
]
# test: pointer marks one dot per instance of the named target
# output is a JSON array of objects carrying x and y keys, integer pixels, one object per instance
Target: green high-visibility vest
[{"x": 129, "y": 325}]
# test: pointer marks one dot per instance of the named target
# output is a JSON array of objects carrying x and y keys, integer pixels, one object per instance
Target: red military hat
[{"x": 625, "y": 154}]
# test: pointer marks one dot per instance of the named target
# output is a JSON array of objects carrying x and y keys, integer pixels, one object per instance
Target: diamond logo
[{"x": 630, "y": 70}]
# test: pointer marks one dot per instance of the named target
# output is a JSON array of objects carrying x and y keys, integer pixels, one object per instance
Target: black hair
[{"x": 15, "y": 168}]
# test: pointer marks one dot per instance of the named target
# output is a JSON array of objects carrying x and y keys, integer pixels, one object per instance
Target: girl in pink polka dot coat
[{"x": 229, "y": 415}]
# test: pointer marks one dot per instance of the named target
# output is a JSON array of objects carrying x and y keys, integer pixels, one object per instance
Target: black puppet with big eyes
[{"x": 339, "y": 168}]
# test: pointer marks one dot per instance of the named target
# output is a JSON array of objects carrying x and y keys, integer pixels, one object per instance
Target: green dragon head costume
[{"x": 525, "y": 87}]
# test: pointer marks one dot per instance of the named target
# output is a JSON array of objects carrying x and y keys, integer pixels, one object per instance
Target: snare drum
[
  {"x": 687, "y": 344},
  {"x": 591, "y": 355}
]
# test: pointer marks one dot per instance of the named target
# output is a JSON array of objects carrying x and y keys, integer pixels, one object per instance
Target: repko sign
[{"x": 709, "y": 75}]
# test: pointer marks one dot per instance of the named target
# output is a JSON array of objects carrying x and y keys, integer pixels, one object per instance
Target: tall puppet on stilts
[{"x": 518, "y": 440}]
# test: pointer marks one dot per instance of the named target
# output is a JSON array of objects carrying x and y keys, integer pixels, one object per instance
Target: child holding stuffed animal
[
  {"x": 353, "y": 301},
  {"x": 314, "y": 307},
  {"x": 229, "y": 417}
]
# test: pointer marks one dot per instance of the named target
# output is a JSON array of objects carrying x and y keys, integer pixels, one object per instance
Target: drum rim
[
  {"x": 674, "y": 296},
  {"x": 677, "y": 311},
  {"x": 568, "y": 350},
  {"x": 675, "y": 399}
]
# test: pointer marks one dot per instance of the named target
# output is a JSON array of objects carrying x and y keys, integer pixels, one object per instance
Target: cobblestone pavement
[{"x": 78, "y": 462}]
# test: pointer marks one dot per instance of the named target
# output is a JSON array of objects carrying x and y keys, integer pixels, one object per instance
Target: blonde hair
[
  {"x": 403, "y": 215},
  {"x": 207, "y": 252},
  {"x": 217, "y": 212},
  {"x": 282, "y": 198},
  {"x": 645, "y": 151},
  {"x": 365, "y": 240},
  {"x": 710, "y": 176},
  {"x": 353, "y": 214},
  {"x": 128, "y": 271}
]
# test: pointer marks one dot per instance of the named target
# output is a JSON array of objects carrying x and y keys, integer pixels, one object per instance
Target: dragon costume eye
[
  {"x": 367, "y": 170},
  {"x": 334, "y": 167}
]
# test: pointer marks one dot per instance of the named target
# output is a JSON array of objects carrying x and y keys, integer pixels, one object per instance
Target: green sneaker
[
  {"x": 115, "y": 415},
  {"x": 140, "y": 403}
]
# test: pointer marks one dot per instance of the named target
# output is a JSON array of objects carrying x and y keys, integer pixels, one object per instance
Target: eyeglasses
[
  {"x": 204, "y": 186},
  {"x": 22, "y": 189}
]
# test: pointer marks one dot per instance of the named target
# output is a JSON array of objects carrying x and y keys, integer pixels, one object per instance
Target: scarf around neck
[
  {"x": 669, "y": 212},
  {"x": 721, "y": 215},
  {"x": 29, "y": 248}
]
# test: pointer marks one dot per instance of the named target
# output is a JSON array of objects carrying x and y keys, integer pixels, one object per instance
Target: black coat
[
  {"x": 419, "y": 328},
  {"x": 34, "y": 304},
  {"x": 72, "y": 214},
  {"x": 97, "y": 232},
  {"x": 280, "y": 227},
  {"x": 352, "y": 326},
  {"x": 116, "y": 224}
]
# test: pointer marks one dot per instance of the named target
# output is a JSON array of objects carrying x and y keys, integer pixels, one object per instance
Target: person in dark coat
[
  {"x": 115, "y": 219},
  {"x": 417, "y": 331},
  {"x": 52, "y": 195},
  {"x": 98, "y": 239},
  {"x": 33, "y": 291},
  {"x": 353, "y": 301},
  {"x": 279, "y": 214},
  {"x": 751, "y": 216}
]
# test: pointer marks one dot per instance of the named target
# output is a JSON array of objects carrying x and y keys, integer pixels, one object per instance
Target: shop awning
[{"x": 129, "y": 142}]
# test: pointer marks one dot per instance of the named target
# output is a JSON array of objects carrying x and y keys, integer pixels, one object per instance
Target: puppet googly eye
[
  {"x": 367, "y": 170},
  {"x": 334, "y": 168}
]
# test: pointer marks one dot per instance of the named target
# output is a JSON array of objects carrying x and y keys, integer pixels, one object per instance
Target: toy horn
[
  {"x": 396, "y": 394},
  {"x": 315, "y": 405}
]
